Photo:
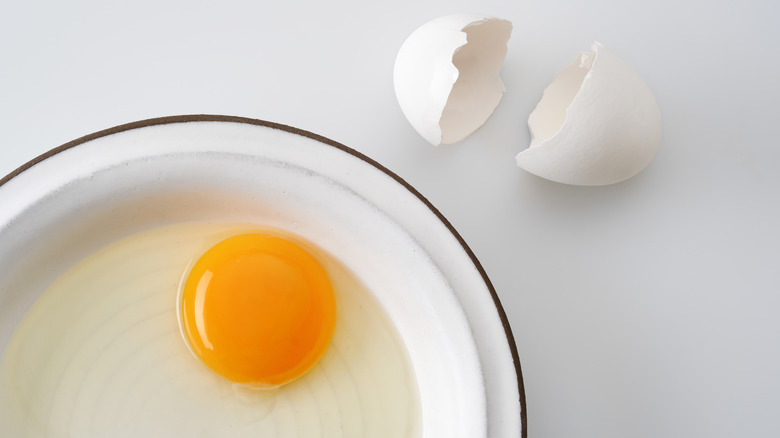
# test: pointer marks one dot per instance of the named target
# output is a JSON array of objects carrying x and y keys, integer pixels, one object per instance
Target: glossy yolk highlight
[{"x": 258, "y": 310}]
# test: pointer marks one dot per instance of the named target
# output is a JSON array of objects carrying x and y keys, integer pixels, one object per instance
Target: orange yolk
[{"x": 258, "y": 310}]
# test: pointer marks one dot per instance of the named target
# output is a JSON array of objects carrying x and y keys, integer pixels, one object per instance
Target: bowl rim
[{"x": 324, "y": 140}]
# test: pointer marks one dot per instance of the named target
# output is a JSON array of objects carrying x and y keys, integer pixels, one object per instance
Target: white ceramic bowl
[{"x": 94, "y": 190}]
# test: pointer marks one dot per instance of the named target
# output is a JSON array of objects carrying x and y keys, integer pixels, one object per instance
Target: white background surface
[{"x": 643, "y": 309}]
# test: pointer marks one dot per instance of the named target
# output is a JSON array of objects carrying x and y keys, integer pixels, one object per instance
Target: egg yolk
[{"x": 258, "y": 310}]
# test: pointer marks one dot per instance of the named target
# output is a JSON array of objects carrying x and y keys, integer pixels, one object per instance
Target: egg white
[{"x": 100, "y": 354}]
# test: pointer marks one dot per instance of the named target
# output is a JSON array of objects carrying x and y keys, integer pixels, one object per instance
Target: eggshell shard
[
  {"x": 596, "y": 124},
  {"x": 446, "y": 75}
]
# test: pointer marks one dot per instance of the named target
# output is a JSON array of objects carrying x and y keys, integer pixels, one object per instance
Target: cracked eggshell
[
  {"x": 597, "y": 123},
  {"x": 446, "y": 75}
]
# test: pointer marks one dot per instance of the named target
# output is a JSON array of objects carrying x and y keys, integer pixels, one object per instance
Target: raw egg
[
  {"x": 258, "y": 310},
  {"x": 101, "y": 354}
]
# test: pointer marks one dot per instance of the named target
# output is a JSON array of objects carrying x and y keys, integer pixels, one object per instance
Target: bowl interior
[{"x": 162, "y": 172}]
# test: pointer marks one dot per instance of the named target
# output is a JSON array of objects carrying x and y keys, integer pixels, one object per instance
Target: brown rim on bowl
[{"x": 236, "y": 119}]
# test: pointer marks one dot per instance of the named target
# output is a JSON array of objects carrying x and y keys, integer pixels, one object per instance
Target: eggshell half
[
  {"x": 596, "y": 124},
  {"x": 446, "y": 75}
]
